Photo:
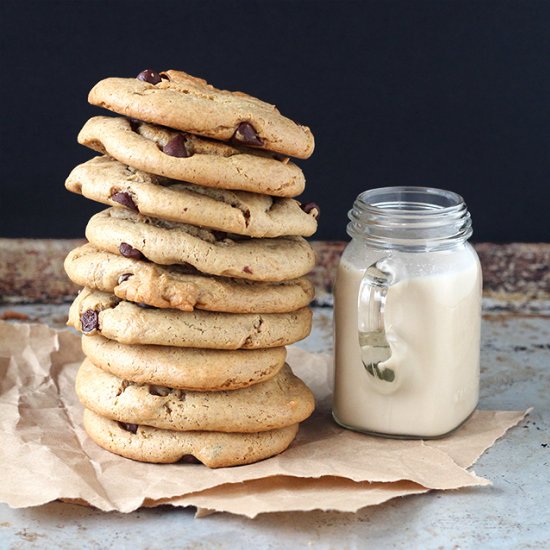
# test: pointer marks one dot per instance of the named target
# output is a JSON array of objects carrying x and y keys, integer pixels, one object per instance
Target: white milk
[{"x": 418, "y": 377}]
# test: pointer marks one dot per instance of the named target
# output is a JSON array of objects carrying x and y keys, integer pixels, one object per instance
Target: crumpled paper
[{"x": 46, "y": 455}]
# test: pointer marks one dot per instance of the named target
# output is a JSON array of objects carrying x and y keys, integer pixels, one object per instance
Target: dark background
[{"x": 451, "y": 94}]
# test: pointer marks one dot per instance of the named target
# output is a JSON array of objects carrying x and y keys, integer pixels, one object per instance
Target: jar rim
[
  {"x": 399, "y": 200},
  {"x": 410, "y": 217}
]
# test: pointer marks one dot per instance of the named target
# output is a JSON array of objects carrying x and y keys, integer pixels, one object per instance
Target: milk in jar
[{"x": 407, "y": 315}]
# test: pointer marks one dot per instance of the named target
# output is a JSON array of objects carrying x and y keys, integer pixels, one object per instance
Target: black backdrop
[{"x": 452, "y": 94}]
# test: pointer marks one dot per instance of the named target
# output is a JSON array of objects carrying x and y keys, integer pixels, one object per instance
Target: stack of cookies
[{"x": 194, "y": 278}]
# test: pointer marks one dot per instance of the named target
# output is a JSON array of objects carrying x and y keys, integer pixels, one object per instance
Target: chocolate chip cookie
[
  {"x": 167, "y": 153},
  {"x": 184, "y": 368},
  {"x": 174, "y": 287},
  {"x": 132, "y": 235},
  {"x": 179, "y": 100},
  {"x": 95, "y": 312},
  {"x": 106, "y": 180},
  {"x": 282, "y": 401},
  {"x": 213, "y": 449}
]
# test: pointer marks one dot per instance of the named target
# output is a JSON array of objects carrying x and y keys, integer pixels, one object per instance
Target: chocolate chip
[
  {"x": 134, "y": 124},
  {"x": 123, "y": 385},
  {"x": 309, "y": 206},
  {"x": 129, "y": 251},
  {"x": 190, "y": 459},
  {"x": 177, "y": 147},
  {"x": 124, "y": 277},
  {"x": 247, "y": 269},
  {"x": 124, "y": 198},
  {"x": 148, "y": 75},
  {"x": 246, "y": 133},
  {"x": 128, "y": 427},
  {"x": 89, "y": 320},
  {"x": 219, "y": 235},
  {"x": 160, "y": 391}
]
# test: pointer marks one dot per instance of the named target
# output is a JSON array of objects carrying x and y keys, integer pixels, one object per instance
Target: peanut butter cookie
[
  {"x": 282, "y": 401},
  {"x": 95, "y": 312},
  {"x": 213, "y": 449},
  {"x": 106, "y": 180},
  {"x": 184, "y": 368},
  {"x": 132, "y": 235},
  {"x": 174, "y": 287},
  {"x": 168, "y": 153},
  {"x": 179, "y": 100}
]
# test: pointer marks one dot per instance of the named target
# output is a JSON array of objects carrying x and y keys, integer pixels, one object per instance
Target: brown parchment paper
[{"x": 46, "y": 455}]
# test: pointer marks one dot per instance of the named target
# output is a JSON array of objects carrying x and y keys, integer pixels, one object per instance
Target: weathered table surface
[{"x": 513, "y": 513}]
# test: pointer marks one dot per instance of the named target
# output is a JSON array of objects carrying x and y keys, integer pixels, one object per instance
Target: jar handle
[{"x": 370, "y": 316}]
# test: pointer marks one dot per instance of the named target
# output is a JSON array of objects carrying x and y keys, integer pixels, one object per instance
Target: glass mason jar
[{"x": 407, "y": 314}]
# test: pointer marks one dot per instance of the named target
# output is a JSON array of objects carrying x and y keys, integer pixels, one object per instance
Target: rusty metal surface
[
  {"x": 31, "y": 270},
  {"x": 514, "y": 273}
]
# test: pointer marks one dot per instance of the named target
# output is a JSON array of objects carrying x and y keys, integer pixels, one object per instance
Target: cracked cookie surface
[
  {"x": 282, "y": 401},
  {"x": 110, "y": 182},
  {"x": 208, "y": 163},
  {"x": 172, "y": 287},
  {"x": 187, "y": 103},
  {"x": 184, "y": 368},
  {"x": 167, "y": 243},
  {"x": 95, "y": 312},
  {"x": 213, "y": 449}
]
